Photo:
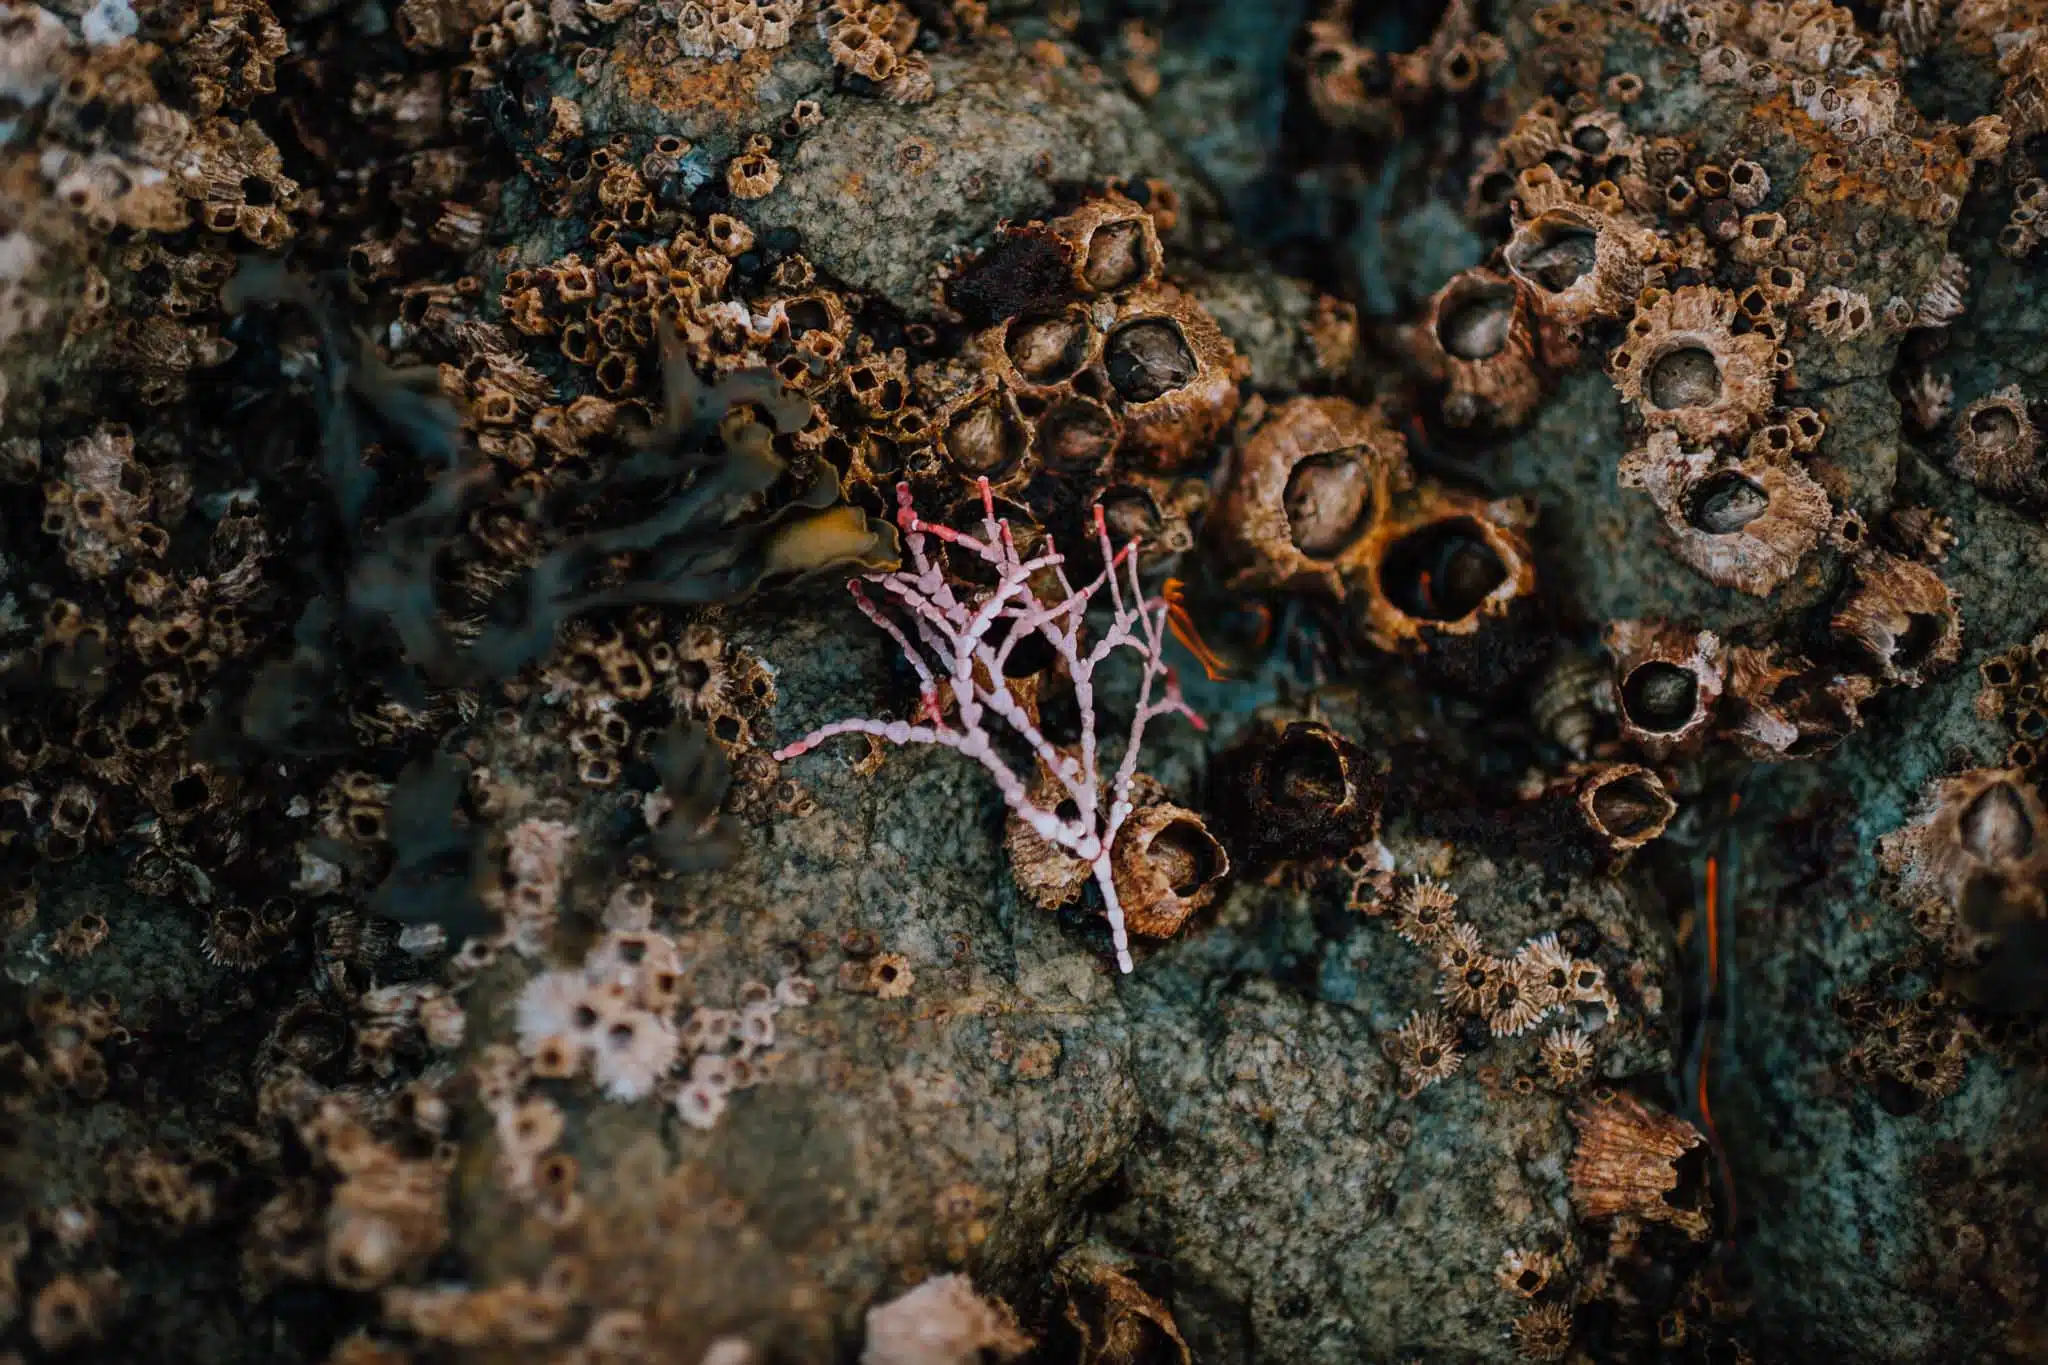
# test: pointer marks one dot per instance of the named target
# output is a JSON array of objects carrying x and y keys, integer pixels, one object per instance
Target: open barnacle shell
[
  {"x": 1307, "y": 490},
  {"x": 1685, "y": 370},
  {"x": 1626, "y": 1164},
  {"x": 1743, "y": 524},
  {"x": 1997, "y": 447},
  {"x": 1115, "y": 245},
  {"x": 1579, "y": 259},
  {"x": 1623, "y": 805},
  {"x": 985, "y": 434},
  {"x": 1984, "y": 827},
  {"x": 1478, "y": 338},
  {"x": 1782, "y": 707},
  {"x": 1900, "y": 614},
  {"x": 1440, "y": 564},
  {"x": 1667, "y": 681},
  {"x": 1166, "y": 863},
  {"x": 1302, "y": 791},
  {"x": 1041, "y": 352},
  {"x": 1172, "y": 371}
]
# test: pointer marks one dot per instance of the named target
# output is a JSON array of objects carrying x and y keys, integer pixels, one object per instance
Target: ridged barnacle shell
[
  {"x": 1306, "y": 490},
  {"x": 1685, "y": 370},
  {"x": 1040, "y": 353},
  {"x": 1115, "y": 245},
  {"x": 1478, "y": 338},
  {"x": 1442, "y": 564},
  {"x": 1667, "y": 681},
  {"x": 1158, "y": 512},
  {"x": 1743, "y": 524},
  {"x": 983, "y": 433},
  {"x": 1984, "y": 823},
  {"x": 1902, "y": 616},
  {"x": 1578, "y": 260},
  {"x": 1626, "y": 1163},
  {"x": 1166, "y": 864},
  {"x": 1784, "y": 707},
  {"x": 1623, "y": 805},
  {"x": 1996, "y": 445},
  {"x": 1173, "y": 372},
  {"x": 1298, "y": 791}
]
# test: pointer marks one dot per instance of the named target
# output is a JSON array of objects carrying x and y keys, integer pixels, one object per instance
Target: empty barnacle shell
[
  {"x": 1166, "y": 866},
  {"x": 1038, "y": 351},
  {"x": 1448, "y": 578},
  {"x": 1578, "y": 261},
  {"x": 1304, "y": 494},
  {"x": 1626, "y": 1164},
  {"x": 1902, "y": 616},
  {"x": 1300, "y": 792},
  {"x": 1624, "y": 805},
  {"x": 1784, "y": 707},
  {"x": 1114, "y": 244},
  {"x": 1743, "y": 524},
  {"x": 1156, "y": 512},
  {"x": 985, "y": 435},
  {"x": 1997, "y": 447},
  {"x": 1172, "y": 370},
  {"x": 1685, "y": 370},
  {"x": 1478, "y": 339},
  {"x": 1667, "y": 680}
]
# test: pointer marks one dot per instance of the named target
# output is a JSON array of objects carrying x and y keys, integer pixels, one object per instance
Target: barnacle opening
[
  {"x": 1994, "y": 426},
  {"x": 1149, "y": 359},
  {"x": 1684, "y": 377},
  {"x": 1995, "y": 825},
  {"x": 1305, "y": 770},
  {"x": 1329, "y": 501},
  {"x": 987, "y": 439},
  {"x": 1917, "y": 642},
  {"x": 1077, "y": 436},
  {"x": 1132, "y": 513},
  {"x": 1660, "y": 696},
  {"x": 1118, "y": 255},
  {"x": 1556, "y": 254},
  {"x": 1441, "y": 572},
  {"x": 1724, "y": 503},
  {"x": 1630, "y": 806},
  {"x": 1047, "y": 349},
  {"x": 1187, "y": 854},
  {"x": 1475, "y": 321}
]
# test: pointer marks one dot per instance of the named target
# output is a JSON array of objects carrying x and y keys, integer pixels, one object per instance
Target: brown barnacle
[
  {"x": 1304, "y": 493},
  {"x": 1782, "y": 707},
  {"x": 1117, "y": 1322},
  {"x": 1040, "y": 352},
  {"x": 1512, "y": 1003},
  {"x": 1902, "y": 616},
  {"x": 1686, "y": 371},
  {"x": 1626, "y": 1164},
  {"x": 1425, "y": 1050},
  {"x": 1423, "y": 911},
  {"x": 1166, "y": 866},
  {"x": 1743, "y": 524},
  {"x": 1478, "y": 339},
  {"x": 1623, "y": 805},
  {"x": 1525, "y": 1274},
  {"x": 1173, "y": 371},
  {"x": 73, "y": 1308},
  {"x": 1299, "y": 792},
  {"x": 985, "y": 434},
  {"x": 81, "y": 936},
  {"x": 1839, "y": 314},
  {"x": 1667, "y": 680},
  {"x": 236, "y": 938},
  {"x": 1577, "y": 260},
  {"x": 753, "y": 175},
  {"x": 1449, "y": 578},
  {"x": 1567, "y": 1056},
  {"x": 1997, "y": 447},
  {"x": 1113, "y": 245},
  {"x": 1543, "y": 1333},
  {"x": 1983, "y": 826}
]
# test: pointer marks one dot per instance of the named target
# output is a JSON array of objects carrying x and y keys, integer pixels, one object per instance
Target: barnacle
[
  {"x": 1299, "y": 793},
  {"x": 1626, "y": 1163},
  {"x": 1478, "y": 339},
  {"x": 1167, "y": 866},
  {"x": 1423, "y": 911},
  {"x": 1667, "y": 680},
  {"x": 1743, "y": 523},
  {"x": 1579, "y": 257},
  {"x": 1901, "y": 616},
  {"x": 1687, "y": 372},
  {"x": 1544, "y": 1332},
  {"x": 1997, "y": 447},
  {"x": 1425, "y": 1049}
]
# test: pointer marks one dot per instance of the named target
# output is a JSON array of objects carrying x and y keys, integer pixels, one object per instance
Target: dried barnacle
[
  {"x": 1302, "y": 792},
  {"x": 1544, "y": 1332},
  {"x": 1902, "y": 616},
  {"x": 1167, "y": 866},
  {"x": 1667, "y": 681},
  {"x": 1422, "y": 911},
  {"x": 1525, "y": 1274},
  {"x": 1686, "y": 371},
  {"x": 1118, "y": 1322},
  {"x": 1625, "y": 1164},
  {"x": 1478, "y": 339},
  {"x": 1839, "y": 314},
  {"x": 1113, "y": 244},
  {"x": 1577, "y": 260},
  {"x": 1512, "y": 1005},
  {"x": 1997, "y": 447},
  {"x": 1174, "y": 371},
  {"x": 1425, "y": 1049},
  {"x": 1785, "y": 707},
  {"x": 1623, "y": 805},
  {"x": 1744, "y": 524},
  {"x": 1567, "y": 1055},
  {"x": 1305, "y": 490}
]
